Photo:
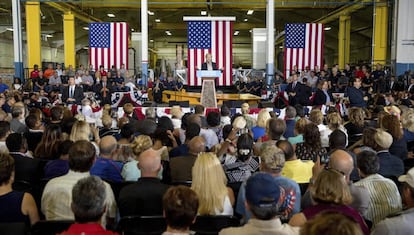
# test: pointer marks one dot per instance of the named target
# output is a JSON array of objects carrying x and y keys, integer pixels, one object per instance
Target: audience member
[
  {"x": 209, "y": 182},
  {"x": 384, "y": 198},
  {"x": 48, "y": 146},
  {"x": 290, "y": 119},
  {"x": 180, "y": 205},
  {"x": 17, "y": 122},
  {"x": 16, "y": 206},
  {"x": 401, "y": 223},
  {"x": 130, "y": 171},
  {"x": 57, "y": 195},
  {"x": 88, "y": 213},
  {"x": 264, "y": 200},
  {"x": 4, "y": 132},
  {"x": 60, "y": 166},
  {"x": 144, "y": 197},
  {"x": 331, "y": 222},
  {"x": 390, "y": 165},
  {"x": 106, "y": 166},
  {"x": 391, "y": 124},
  {"x": 294, "y": 168},
  {"x": 311, "y": 148}
]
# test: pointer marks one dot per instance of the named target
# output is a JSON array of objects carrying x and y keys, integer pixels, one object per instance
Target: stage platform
[{"x": 194, "y": 97}]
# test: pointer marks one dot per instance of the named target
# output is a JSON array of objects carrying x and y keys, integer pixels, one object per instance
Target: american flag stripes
[
  {"x": 214, "y": 37},
  {"x": 303, "y": 46},
  {"x": 108, "y": 44}
]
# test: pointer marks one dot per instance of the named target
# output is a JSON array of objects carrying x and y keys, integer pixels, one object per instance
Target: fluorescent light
[
  {"x": 9, "y": 29},
  {"x": 203, "y": 13},
  {"x": 151, "y": 13},
  {"x": 280, "y": 47},
  {"x": 151, "y": 40},
  {"x": 327, "y": 28},
  {"x": 250, "y": 12},
  {"x": 49, "y": 35},
  {"x": 250, "y": 31},
  {"x": 86, "y": 28},
  {"x": 236, "y": 33},
  {"x": 168, "y": 33},
  {"x": 85, "y": 48},
  {"x": 157, "y": 20},
  {"x": 110, "y": 15},
  {"x": 132, "y": 29},
  {"x": 245, "y": 20}
]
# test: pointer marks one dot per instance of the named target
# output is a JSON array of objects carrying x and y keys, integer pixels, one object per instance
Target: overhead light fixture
[
  {"x": 250, "y": 12},
  {"x": 85, "y": 48},
  {"x": 86, "y": 28},
  {"x": 157, "y": 20},
  {"x": 236, "y": 33},
  {"x": 280, "y": 47},
  {"x": 49, "y": 35},
  {"x": 151, "y": 13},
  {"x": 168, "y": 32},
  {"x": 245, "y": 20},
  {"x": 132, "y": 29},
  {"x": 203, "y": 13},
  {"x": 9, "y": 29},
  {"x": 327, "y": 28},
  {"x": 250, "y": 31},
  {"x": 151, "y": 40},
  {"x": 110, "y": 15}
]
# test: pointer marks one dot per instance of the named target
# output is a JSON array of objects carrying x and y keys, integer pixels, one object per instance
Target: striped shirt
[{"x": 384, "y": 198}]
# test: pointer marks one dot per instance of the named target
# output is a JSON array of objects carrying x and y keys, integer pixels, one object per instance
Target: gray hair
[{"x": 88, "y": 199}]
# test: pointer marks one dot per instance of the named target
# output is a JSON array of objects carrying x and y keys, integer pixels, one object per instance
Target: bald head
[
  {"x": 197, "y": 145},
  {"x": 107, "y": 146},
  {"x": 149, "y": 162},
  {"x": 341, "y": 161}
]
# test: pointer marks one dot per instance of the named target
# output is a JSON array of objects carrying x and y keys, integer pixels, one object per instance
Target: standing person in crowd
[
  {"x": 323, "y": 95},
  {"x": 72, "y": 94},
  {"x": 356, "y": 95}
]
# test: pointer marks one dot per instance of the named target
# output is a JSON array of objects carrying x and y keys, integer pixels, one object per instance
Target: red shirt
[
  {"x": 87, "y": 229},
  {"x": 34, "y": 74}
]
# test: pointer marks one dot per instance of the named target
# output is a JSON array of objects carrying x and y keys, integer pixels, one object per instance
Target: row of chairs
[{"x": 130, "y": 225}]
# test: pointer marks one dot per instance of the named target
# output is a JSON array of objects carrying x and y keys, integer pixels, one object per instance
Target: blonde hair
[
  {"x": 272, "y": 159},
  {"x": 331, "y": 187},
  {"x": 262, "y": 118},
  {"x": 106, "y": 120},
  {"x": 80, "y": 131},
  {"x": 209, "y": 182},
  {"x": 407, "y": 119},
  {"x": 334, "y": 120},
  {"x": 356, "y": 116},
  {"x": 140, "y": 144},
  {"x": 316, "y": 116}
]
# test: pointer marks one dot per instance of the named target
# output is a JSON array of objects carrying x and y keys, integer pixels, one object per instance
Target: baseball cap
[
  {"x": 262, "y": 190},
  {"x": 408, "y": 178},
  {"x": 383, "y": 138}
]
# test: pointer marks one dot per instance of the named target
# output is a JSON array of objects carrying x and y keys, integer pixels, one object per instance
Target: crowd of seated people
[{"x": 317, "y": 162}]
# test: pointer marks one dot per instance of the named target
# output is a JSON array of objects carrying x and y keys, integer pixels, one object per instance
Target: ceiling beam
[
  {"x": 183, "y": 26},
  {"x": 64, "y": 7}
]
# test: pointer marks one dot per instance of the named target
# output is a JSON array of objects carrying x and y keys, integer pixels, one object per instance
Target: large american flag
[
  {"x": 303, "y": 46},
  {"x": 108, "y": 44},
  {"x": 214, "y": 37}
]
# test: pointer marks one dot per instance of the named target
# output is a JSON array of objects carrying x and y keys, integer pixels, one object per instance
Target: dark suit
[
  {"x": 181, "y": 168},
  {"x": 301, "y": 93},
  {"x": 142, "y": 198},
  {"x": 204, "y": 66},
  {"x": 98, "y": 90},
  {"x": 320, "y": 97},
  {"x": 27, "y": 169},
  {"x": 77, "y": 95}
]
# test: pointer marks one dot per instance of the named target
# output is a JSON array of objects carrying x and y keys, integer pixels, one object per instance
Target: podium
[{"x": 208, "y": 89}]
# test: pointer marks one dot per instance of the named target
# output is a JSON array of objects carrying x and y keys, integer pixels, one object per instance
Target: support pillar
[
  {"x": 69, "y": 39},
  {"x": 270, "y": 53},
  {"x": 17, "y": 40},
  {"x": 144, "y": 45},
  {"x": 379, "y": 41},
  {"x": 33, "y": 34},
  {"x": 344, "y": 40}
]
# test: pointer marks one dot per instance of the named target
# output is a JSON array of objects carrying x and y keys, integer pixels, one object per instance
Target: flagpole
[
  {"x": 270, "y": 53},
  {"x": 144, "y": 45}
]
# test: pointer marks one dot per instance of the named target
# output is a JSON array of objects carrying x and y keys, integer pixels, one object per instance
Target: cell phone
[{"x": 324, "y": 159}]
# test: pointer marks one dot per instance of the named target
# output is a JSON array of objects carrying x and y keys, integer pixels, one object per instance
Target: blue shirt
[
  {"x": 3, "y": 87},
  {"x": 107, "y": 169}
]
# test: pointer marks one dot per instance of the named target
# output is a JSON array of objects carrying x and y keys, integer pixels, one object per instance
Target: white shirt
[{"x": 57, "y": 197}]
